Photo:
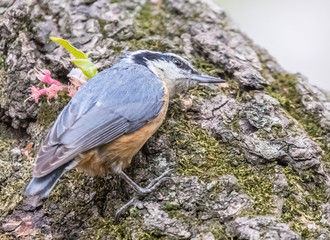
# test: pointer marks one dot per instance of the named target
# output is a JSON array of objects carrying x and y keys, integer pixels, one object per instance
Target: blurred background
[{"x": 295, "y": 32}]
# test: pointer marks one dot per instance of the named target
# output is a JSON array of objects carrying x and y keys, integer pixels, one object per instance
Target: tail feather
[{"x": 42, "y": 186}]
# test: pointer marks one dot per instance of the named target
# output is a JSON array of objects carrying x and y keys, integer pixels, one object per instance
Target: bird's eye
[{"x": 177, "y": 62}]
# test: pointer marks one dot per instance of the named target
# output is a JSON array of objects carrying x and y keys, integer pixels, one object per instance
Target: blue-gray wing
[{"x": 117, "y": 101}]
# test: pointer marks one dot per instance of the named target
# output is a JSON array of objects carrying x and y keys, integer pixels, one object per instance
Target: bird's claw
[
  {"x": 156, "y": 180},
  {"x": 152, "y": 186},
  {"x": 145, "y": 191}
]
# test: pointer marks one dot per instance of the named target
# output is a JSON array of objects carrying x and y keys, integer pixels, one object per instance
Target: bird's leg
[
  {"x": 124, "y": 208},
  {"x": 141, "y": 192}
]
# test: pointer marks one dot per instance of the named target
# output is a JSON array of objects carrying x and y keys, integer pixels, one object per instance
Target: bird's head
[{"x": 175, "y": 71}]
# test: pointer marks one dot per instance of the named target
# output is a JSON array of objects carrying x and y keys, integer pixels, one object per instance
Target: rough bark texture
[{"x": 251, "y": 160}]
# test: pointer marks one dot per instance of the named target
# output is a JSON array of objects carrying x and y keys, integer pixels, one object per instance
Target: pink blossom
[
  {"x": 36, "y": 93},
  {"x": 44, "y": 76},
  {"x": 77, "y": 79},
  {"x": 52, "y": 91}
]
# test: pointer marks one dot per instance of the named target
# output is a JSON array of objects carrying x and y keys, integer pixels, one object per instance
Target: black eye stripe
[{"x": 178, "y": 62}]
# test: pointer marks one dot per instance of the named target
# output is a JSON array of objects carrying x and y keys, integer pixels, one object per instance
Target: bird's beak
[{"x": 204, "y": 78}]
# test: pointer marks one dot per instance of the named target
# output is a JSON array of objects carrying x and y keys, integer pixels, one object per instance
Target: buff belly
[{"x": 117, "y": 155}]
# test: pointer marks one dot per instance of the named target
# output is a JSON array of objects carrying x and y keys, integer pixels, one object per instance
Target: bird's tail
[{"x": 42, "y": 186}]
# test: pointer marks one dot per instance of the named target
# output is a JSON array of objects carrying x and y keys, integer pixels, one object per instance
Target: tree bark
[{"x": 250, "y": 158}]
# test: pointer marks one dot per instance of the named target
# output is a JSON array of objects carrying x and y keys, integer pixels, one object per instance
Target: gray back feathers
[{"x": 117, "y": 101}]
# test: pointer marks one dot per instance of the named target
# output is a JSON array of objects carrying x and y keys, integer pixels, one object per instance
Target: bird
[{"x": 111, "y": 117}]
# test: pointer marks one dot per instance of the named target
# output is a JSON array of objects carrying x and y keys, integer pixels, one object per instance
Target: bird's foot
[
  {"x": 154, "y": 184},
  {"x": 140, "y": 192},
  {"x": 124, "y": 208}
]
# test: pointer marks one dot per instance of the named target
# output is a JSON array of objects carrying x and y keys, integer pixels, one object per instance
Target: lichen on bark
[{"x": 250, "y": 159}]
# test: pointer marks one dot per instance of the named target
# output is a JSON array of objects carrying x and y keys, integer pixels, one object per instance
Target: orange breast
[{"x": 117, "y": 155}]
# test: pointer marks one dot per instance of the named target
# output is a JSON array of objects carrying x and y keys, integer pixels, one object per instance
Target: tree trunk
[{"x": 250, "y": 158}]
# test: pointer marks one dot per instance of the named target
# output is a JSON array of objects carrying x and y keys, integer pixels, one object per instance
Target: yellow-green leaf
[
  {"x": 82, "y": 61},
  {"x": 86, "y": 66},
  {"x": 71, "y": 49}
]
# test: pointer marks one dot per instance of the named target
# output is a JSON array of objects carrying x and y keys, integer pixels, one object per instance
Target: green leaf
[
  {"x": 86, "y": 66},
  {"x": 71, "y": 49},
  {"x": 82, "y": 61}
]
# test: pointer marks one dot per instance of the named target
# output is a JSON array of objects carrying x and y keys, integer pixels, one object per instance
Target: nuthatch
[{"x": 111, "y": 117}]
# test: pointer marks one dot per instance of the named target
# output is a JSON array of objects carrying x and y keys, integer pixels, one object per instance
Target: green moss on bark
[
  {"x": 201, "y": 155},
  {"x": 102, "y": 227},
  {"x": 275, "y": 132},
  {"x": 2, "y": 62},
  {"x": 48, "y": 113},
  {"x": 5, "y": 236},
  {"x": 152, "y": 20},
  {"x": 283, "y": 88},
  {"x": 305, "y": 197},
  {"x": 303, "y": 202},
  {"x": 149, "y": 44},
  {"x": 14, "y": 172}
]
